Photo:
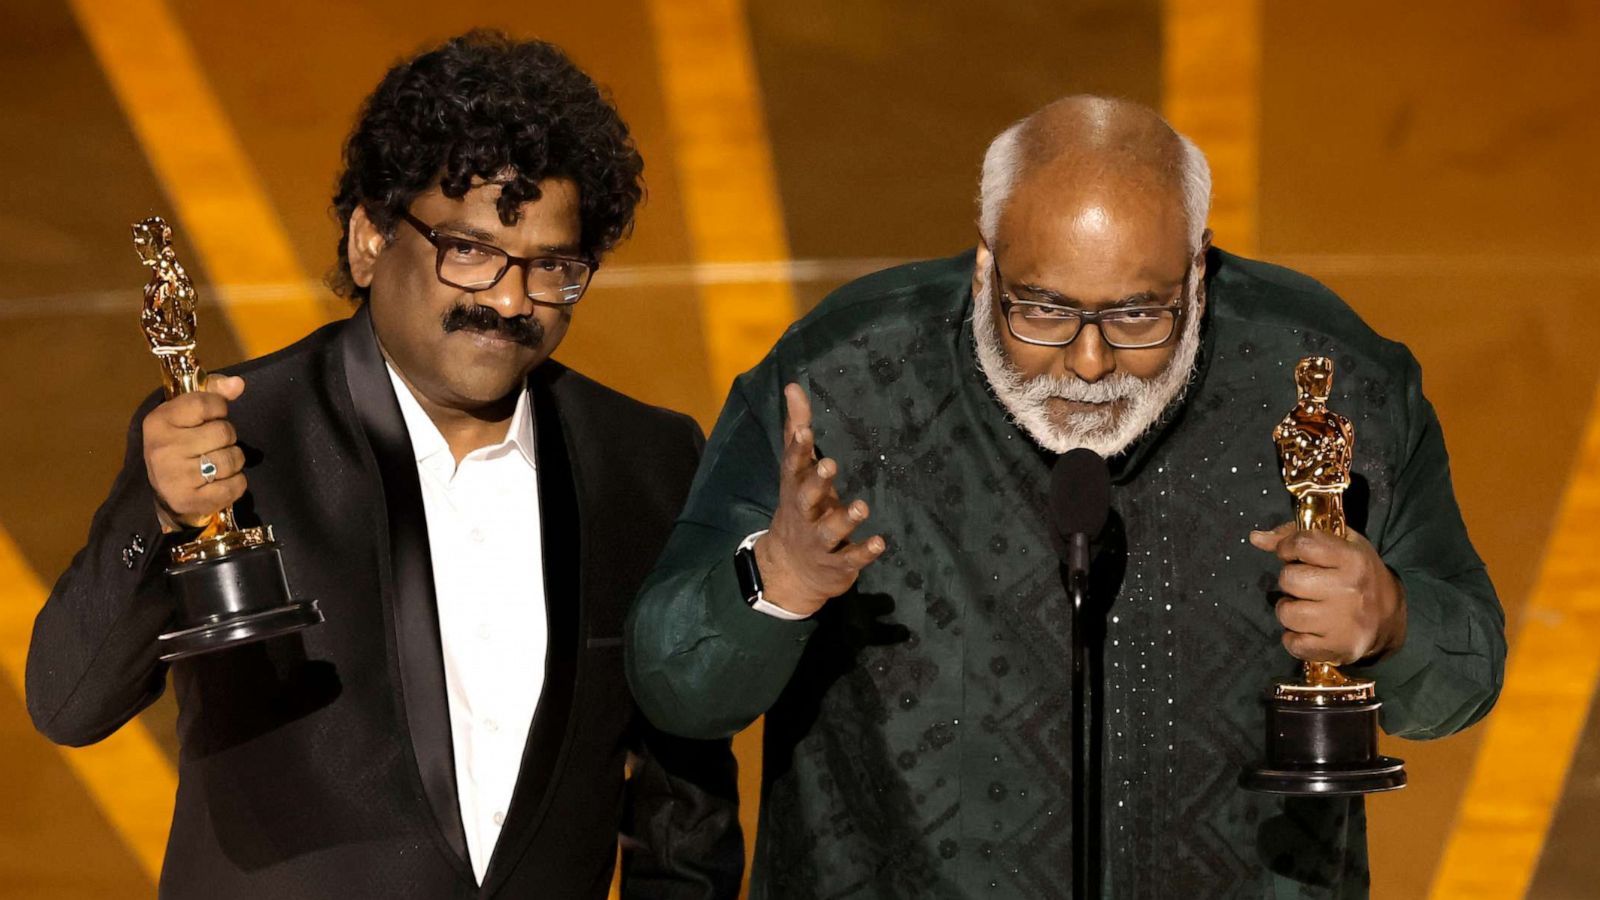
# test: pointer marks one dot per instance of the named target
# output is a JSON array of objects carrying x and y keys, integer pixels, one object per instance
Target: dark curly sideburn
[{"x": 480, "y": 106}]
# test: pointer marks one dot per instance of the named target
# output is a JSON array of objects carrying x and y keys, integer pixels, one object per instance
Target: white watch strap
[
  {"x": 762, "y": 605},
  {"x": 776, "y": 611}
]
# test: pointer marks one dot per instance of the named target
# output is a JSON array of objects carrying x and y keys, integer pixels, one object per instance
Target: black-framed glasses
[
  {"x": 475, "y": 266},
  {"x": 1122, "y": 328}
]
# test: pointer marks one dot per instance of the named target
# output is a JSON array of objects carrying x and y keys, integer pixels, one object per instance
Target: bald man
[{"x": 865, "y": 557}]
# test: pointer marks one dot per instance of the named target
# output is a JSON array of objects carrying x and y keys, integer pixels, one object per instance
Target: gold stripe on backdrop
[
  {"x": 1210, "y": 91},
  {"x": 224, "y": 214},
  {"x": 223, "y": 211},
  {"x": 725, "y": 175},
  {"x": 733, "y": 212},
  {"x": 1530, "y": 738},
  {"x": 126, "y": 773}
]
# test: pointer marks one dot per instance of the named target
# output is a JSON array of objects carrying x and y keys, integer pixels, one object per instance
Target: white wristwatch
[{"x": 744, "y": 564}]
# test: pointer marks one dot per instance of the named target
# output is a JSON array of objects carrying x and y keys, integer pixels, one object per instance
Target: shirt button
[
  {"x": 476, "y": 535},
  {"x": 485, "y": 632},
  {"x": 499, "y": 818},
  {"x": 491, "y": 726}
]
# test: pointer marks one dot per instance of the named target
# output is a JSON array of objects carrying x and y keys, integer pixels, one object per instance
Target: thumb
[
  {"x": 229, "y": 387},
  {"x": 1269, "y": 540}
]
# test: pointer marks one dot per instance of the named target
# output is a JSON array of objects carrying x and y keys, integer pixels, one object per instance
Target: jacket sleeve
[
  {"x": 702, "y": 664},
  {"x": 1448, "y": 673},
  {"x": 681, "y": 835},
  {"x": 92, "y": 663}
]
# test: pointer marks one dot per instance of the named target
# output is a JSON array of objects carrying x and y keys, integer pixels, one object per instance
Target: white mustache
[{"x": 1114, "y": 387}]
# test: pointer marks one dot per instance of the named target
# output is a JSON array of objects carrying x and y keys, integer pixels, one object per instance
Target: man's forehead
[
  {"x": 1066, "y": 187},
  {"x": 476, "y": 214},
  {"x": 483, "y": 196},
  {"x": 1089, "y": 204}
]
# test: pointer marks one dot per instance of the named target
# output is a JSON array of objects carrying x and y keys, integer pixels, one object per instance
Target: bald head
[{"x": 1083, "y": 149}]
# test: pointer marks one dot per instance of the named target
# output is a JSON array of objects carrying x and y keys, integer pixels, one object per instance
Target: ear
[
  {"x": 984, "y": 261},
  {"x": 363, "y": 247},
  {"x": 1201, "y": 258}
]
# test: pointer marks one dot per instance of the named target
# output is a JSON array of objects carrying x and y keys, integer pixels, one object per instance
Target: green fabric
[{"x": 917, "y": 731}]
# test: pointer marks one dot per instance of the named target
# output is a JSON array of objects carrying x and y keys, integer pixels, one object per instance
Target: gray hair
[{"x": 1004, "y": 164}]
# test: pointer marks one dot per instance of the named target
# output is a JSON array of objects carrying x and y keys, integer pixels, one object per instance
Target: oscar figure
[
  {"x": 1322, "y": 731},
  {"x": 229, "y": 581}
]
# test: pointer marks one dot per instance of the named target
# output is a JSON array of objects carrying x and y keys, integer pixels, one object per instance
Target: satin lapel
[
  {"x": 560, "y": 524},
  {"x": 413, "y": 608}
]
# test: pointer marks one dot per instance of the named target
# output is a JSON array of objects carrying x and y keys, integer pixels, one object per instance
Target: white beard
[{"x": 1107, "y": 431}]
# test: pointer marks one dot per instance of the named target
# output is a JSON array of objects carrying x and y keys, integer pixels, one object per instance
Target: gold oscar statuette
[
  {"x": 229, "y": 581},
  {"x": 1322, "y": 731}
]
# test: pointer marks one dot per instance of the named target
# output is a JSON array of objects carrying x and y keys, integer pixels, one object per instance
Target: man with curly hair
[{"x": 472, "y": 517}]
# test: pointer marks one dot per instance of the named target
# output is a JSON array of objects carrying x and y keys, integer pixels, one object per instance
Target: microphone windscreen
[{"x": 1080, "y": 493}]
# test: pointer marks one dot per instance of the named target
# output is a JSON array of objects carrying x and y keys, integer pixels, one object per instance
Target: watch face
[{"x": 744, "y": 564}]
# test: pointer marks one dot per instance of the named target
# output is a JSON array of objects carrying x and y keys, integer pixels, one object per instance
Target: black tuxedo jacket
[{"x": 320, "y": 764}]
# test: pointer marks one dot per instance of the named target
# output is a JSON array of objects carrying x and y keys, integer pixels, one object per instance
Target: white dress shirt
[{"x": 488, "y": 576}]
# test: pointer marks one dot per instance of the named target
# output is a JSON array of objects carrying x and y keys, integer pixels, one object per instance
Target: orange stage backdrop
[{"x": 1431, "y": 161}]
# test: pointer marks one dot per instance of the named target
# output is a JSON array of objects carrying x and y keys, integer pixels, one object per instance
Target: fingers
[
  {"x": 1314, "y": 548},
  {"x": 858, "y": 556},
  {"x": 1307, "y": 631},
  {"x": 185, "y": 446},
  {"x": 806, "y": 557},
  {"x": 1314, "y": 648},
  {"x": 191, "y": 410},
  {"x": 798, "y": 454},
  {"x": 229, "y": 462},
  {"x": 193, "y": 505},
  {"x": 1302, "y": 616},
  {"x": 176, "y": 473},
  {"x": 1307, "y": 582},
  {"x": 815, "y": 494},
  {"x": 214, "y": 496},
  {"x": 797, "y": 406},
  {"x": 182, "y": 432},
  {"x": 837, "y": 524},
  {"x": 1268, "y": 540},
  {"x": 229, "y": 387},
  {"x": 165, "y": 441}
]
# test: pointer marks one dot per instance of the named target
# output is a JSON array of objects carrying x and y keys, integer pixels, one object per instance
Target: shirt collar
[{"x": 429, "y": 445}]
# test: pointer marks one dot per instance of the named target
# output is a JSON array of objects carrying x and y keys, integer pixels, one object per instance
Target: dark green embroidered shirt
[{"x": 917, "y": 731}]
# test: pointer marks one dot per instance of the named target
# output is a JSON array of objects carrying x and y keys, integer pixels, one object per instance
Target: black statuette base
[
  {"x": 235, "y": 599},
  {"x": 1323, "y": 750}
]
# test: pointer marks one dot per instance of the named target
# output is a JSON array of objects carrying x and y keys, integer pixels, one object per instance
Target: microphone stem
[{"x": 1085, "y": 786}]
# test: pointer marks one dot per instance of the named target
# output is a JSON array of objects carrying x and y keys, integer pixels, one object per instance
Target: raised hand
[
  {"x": 183, "y": 434},
  {"x": 806, "y": 557}
]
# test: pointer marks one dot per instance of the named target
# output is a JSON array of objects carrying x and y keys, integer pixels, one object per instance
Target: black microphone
[{"x": 1080, "y": 502}]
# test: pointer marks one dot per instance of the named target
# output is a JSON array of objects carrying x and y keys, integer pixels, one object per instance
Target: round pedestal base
[
  {"x": 1384, "y": 774},
  {"x": 232, "y": 599},
  {"x": 1326, "y": 747},
  {"x": 244, "y": 628}
]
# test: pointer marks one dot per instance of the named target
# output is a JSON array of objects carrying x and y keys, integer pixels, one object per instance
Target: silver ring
[{"x": 208, "y": 469}]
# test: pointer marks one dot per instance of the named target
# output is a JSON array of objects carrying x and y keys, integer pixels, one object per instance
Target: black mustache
[{"x": 524, "y": 330}]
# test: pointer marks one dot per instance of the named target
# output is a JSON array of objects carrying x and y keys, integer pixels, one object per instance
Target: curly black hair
[{"x": 479, "y": 106}]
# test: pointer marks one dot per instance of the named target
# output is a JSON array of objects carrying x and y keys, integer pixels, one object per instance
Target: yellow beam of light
[
  {"x": 1530, "y": 738},
  {"x": 220, "y": 202},
  {"x": 733, "y": 213},
  {"x": 229, "y": 221},
  {"x": 126, "y": 773},
  {"x": 1211, "y": 91},
  {"x": 724, "y": 165}
]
